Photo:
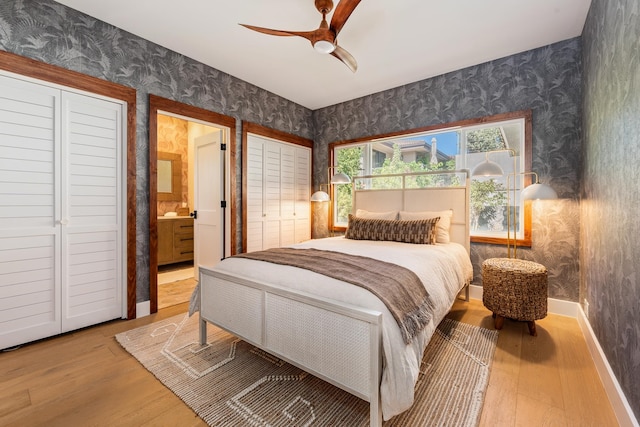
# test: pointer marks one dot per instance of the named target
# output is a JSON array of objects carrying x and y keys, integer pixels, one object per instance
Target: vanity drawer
[
  {"x": 183, "y": 227},
  {"x": 183, "y": 254}
]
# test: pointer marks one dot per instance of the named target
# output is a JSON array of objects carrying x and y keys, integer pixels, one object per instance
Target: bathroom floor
[{"x": 175, "y": 284}]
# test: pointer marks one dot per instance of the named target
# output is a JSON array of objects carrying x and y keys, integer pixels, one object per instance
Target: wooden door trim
[
  {"x": 51, "y": 73},
  {"x": 159, "y": 104}
]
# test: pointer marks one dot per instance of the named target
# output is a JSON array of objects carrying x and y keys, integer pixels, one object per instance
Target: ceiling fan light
[{"x": 324, "y": 46}]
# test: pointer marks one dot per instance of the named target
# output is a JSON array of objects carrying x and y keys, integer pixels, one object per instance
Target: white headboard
[{"x": 437, "y": 191}]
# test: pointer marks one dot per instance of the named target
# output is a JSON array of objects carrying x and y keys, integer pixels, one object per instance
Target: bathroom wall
[{"x": 173, "y": 137}]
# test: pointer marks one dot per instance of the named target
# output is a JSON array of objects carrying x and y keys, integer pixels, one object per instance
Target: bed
[{"x": 339, "y": 332}]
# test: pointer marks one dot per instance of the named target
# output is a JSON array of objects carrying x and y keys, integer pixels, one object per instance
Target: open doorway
[
  {"x": 177, "y": 137},
  {"x": 175, "y": 132}
]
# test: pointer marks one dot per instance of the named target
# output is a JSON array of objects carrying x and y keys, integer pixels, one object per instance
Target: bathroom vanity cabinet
[{"x": 175, "y": 239}]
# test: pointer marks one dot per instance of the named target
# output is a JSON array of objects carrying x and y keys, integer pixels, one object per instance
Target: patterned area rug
[{"x": 231, "y": 383}]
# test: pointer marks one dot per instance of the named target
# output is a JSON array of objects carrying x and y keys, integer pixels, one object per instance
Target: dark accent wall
[
  {"x": 610, "y": 255},
  {"x": 53, "y": 33},
  {"x": 547, "y": 81}
]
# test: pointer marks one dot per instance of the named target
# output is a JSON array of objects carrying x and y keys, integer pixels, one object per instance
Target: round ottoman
[{"x": 515, "y": 289}]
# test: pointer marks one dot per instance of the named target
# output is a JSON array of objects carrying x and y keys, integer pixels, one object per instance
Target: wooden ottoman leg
[
  {"x": 532, "y": 328},
  {"x": 499, "y": 322}
]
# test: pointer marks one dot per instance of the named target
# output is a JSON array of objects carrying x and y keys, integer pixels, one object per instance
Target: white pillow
[
  {"x": 442, "y": 229},
  {"x": 361, "y": 213}
]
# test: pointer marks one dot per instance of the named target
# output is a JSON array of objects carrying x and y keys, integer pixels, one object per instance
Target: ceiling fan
[{"x": 324, "y": 39}]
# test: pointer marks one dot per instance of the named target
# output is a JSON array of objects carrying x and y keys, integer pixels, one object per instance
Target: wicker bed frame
[{"x": 340, "y": 343}]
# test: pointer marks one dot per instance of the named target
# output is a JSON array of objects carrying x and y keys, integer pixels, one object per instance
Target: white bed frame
[{"x": 338, "y": 342}]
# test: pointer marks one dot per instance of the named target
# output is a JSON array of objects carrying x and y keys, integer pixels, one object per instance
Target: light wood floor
[
  {"x": 85, "y": 378},
  {"x": 177, "y": 292}
]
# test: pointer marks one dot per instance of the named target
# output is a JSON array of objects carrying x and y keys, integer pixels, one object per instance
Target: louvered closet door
[
  {"x": 287, "y": 195},
  {"x": 272, "y": 181},
  {"x": 92, "y": 269},
  {"x": 303, "y": 195},
  {"x": 255, "y": 194},
  {"x": 30, "y": 230}
]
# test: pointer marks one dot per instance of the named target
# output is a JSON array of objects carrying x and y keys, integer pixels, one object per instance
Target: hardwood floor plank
[
  {"x": 532, "y": 412},
  {"x": 581, "y": 384},
  {"x": 177, "y": 292},
  {"x": 539, "y": 376},
  {"x": 502, "y": 392},
  {"x": 14, "y": 401}
]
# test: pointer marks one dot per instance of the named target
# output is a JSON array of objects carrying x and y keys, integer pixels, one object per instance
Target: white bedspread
[{"x": 443, "y": 268}]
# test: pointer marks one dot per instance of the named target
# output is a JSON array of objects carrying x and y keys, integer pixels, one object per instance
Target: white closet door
[
  {"x": 287, "y": 194},
  {"x": 303, "y": 195},
  {"x": 92, "y": 266},
  {"x": 272, "y": 179},
  {"x": 278, "y": 192},
  {"x": 255, "y": 194},
  {"x": 30, "y": 281}
]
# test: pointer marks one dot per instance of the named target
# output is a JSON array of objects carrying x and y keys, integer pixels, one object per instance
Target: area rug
[{"x": 231, "y": 383}]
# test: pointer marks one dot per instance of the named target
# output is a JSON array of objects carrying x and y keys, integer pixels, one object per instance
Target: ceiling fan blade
[
  {"x": 305, "y": 34},
  {"x": 341, "y": 14},
  {"x": 346, "y": 58}
]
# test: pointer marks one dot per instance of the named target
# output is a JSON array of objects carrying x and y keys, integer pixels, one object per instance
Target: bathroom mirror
[{"x": 169, "y": 182}]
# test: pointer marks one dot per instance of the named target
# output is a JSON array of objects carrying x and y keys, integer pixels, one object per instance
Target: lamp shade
[
  {"x": 539, "y": 191},
  {"x": 320, "y": 196},
  {"x": 340, "y": 178},
  {"x": 488, "y": 168}
]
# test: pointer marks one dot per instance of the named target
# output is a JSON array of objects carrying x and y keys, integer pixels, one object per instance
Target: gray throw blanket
[{"x": 399, "y": 288}]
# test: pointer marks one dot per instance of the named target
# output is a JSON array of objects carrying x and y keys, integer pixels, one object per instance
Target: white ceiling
[{"x": 394, "y": 41}]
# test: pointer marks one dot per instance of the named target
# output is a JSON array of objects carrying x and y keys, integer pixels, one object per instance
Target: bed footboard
[{"x": 340, "y": 343}]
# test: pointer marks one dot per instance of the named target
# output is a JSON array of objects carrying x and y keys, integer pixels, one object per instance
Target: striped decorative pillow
[{"x": 421, "y": 231}]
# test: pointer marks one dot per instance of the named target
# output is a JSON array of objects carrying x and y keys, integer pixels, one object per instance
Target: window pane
[
  {"x": 350, "y": 161},
  {"x": 501, "y": 141},
  {"x": 490, "y": 201}
]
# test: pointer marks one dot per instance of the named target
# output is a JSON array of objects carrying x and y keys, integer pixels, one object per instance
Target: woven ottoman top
[{"x": 514, "y": 264}]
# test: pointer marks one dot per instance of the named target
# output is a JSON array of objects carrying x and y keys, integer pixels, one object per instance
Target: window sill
[{"x": 526, "y": 242}]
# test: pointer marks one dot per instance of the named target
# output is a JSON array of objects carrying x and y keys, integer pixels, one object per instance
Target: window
[{"x": 503, "y": 139}]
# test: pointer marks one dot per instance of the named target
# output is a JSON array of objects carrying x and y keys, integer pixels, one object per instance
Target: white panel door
[
  {"x": 91, "y": 217},
  {"x": 208, "y": 192},
  {"x": 30, "y": 230}
]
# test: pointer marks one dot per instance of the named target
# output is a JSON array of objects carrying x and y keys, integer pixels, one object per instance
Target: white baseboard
[
  {"x": 143, "y": 309},
  {"x": 618, "y": 400},
  {"x": 475, "y": 292},
  {"x": 554, "y": 306}
]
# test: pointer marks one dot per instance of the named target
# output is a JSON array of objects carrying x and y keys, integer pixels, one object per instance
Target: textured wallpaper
[
  {"x": 50, "y": 32},
  {"x": 549, "y": 82},
  {"x": 610, "y": 274}
]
